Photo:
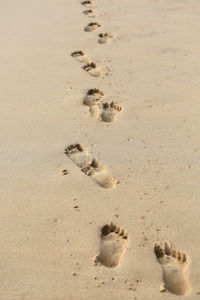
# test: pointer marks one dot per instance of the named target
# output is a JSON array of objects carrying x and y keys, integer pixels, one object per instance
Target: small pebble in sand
[
  {"x": 125, "y": 281},
  {"x": 75, "y": 206},
  {"x": 65, "y": 172},
  {"x": 74, "y": 274}
]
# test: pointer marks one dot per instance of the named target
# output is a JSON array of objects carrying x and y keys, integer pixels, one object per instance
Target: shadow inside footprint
[
  {"x": 175, "y": 268},
  {"x": 113, "y": 243},
  {"x": 110, "y": 112}
]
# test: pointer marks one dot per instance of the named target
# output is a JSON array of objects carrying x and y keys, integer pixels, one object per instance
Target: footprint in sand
[
  {"x": 110, "y": 112},
  {"x": 88, "y": 3},
  {"x": 92, "y": 97},
  {"x": 80, "y": 56},
  {"x": 91, "y": 26},
  {"x": 113, "y": 244},
  {"x": 94, "y": 70},
  {"x": 104, "y": 38},
  {"x": 175, "y": 269},
  {"x": 90, "y": 13},
  {"x": 78, "y": 154}
]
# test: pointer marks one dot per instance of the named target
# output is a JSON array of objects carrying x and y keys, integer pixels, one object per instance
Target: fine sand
[{"x": 100, "y": 119}]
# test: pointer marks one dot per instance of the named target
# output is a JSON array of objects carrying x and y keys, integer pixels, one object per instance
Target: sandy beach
[{"x": 100, "y": 150}]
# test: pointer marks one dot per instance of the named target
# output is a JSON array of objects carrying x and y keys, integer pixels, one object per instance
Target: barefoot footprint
[
  {"x": 78, "y": 154},
  {"x": 90, "y": 13},
  {"x": 93, "y": 96},
  {"x": 88, "y": 3},
  {"x": 91, "y": 99},
  {"x": 80, "y": 56},
  {"x": 93, "y": 69},
  {"x": 175, "y": 269},
  {"x": 113, "y": 244},
  {"x": 110, "y": 111},
  {"x": 91, "y": 26},
  {"x": 104, "y": 37}
]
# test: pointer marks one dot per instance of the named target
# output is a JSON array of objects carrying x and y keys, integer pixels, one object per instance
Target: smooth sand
[{"x": 50, "y": 225}]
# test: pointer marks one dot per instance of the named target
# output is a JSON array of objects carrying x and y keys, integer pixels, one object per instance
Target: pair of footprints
[
  {"x": 91, "y": 167},
  {"x": 174, "y": 264},
  {"x": 104, "y": 38},
  {"x": 92, "y": 68},
  {"x": 109, "y": 112},
  {"x": 89, "y": 11}
]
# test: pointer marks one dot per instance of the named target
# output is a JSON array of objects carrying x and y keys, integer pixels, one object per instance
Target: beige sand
[{"x": 50, "y": 226}]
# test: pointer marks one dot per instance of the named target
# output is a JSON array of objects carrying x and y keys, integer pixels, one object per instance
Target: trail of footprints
[
  {"x": 113, "y": 239},
  {"x": 102, "y": 111}
]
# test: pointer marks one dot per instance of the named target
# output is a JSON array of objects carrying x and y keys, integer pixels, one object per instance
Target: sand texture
[{"x": 100, "y": 150}]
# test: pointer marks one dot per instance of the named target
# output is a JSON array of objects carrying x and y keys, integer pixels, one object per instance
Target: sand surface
[{"x": 50, "y": 225}]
